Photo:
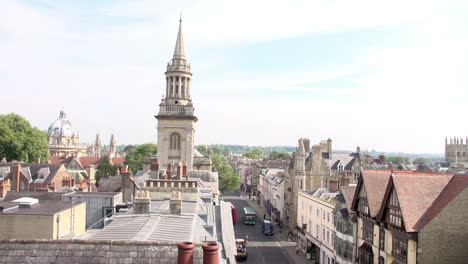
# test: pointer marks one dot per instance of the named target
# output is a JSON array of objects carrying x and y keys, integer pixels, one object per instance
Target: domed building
[{"x": 63, "y": 138}]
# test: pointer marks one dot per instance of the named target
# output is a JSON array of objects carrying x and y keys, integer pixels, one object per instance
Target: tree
[
  {"x": 134, "y": 158},
  {"x": 105, "y": 170},
  {"x": 228, "y": 179},
  {"x": 255, "y": 153},
  {"x": 20, "y": 141},
  {"x": 203, "y": 149},
  {"x": 398, "y": 160},
  {"x": 280, "y": 155}
]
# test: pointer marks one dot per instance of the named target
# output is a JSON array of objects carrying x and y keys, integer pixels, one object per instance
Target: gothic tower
[
  {"x": 97, "y": 147},
  {"x": 176, "y": 118},
  {"x": 112, "y": 147}
]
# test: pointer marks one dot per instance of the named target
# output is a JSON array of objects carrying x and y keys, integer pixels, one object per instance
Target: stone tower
[
  {"x": 97, "y": 147},
  {"x": 112, "y": 147},
  {"x": 176, "y": 118},
  {"x": 456, "y": 152}
]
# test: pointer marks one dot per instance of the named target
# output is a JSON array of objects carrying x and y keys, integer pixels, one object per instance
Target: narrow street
[{"x": 261, "y": 248}]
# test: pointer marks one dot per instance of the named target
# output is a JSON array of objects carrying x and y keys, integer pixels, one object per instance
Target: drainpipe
[
  {"x": 58, "y": 226},
  {"x": 210, "y": 253},
  {"x": 185, "y": 253}
]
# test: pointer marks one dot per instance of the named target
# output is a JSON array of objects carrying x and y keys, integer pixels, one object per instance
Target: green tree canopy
[
  {"x": 203, "y": 149},
  {"x": 255, "y": 153},
  {"x": 398, "y": 160},
  {"x": 134, "y": 158},
  {"x": 20, "y": 141},
  {"x": 280, "y": 155},
  {"x": 228, "y": 179},
  {"x": 105, "y": 170}
]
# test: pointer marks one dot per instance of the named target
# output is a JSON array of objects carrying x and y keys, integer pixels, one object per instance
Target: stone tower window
[{"x": 175, "y": 141}]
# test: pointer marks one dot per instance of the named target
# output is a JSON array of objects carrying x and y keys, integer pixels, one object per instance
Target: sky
[{"x": 385, "y": 75}]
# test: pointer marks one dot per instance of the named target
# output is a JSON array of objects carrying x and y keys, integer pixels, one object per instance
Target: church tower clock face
[{"x": 176, "y": 117}]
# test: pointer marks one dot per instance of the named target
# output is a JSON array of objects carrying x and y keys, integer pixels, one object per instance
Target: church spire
[{"x": 179, "y": 51}]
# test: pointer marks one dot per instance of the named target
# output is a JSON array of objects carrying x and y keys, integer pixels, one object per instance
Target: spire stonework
[{"x": 176, "y": 118}]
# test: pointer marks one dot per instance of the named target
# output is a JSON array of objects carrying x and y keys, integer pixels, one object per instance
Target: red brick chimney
[
  {"x": 4, "y": 188},
  {"x": 185, "y": 255},
  {"x": 16, "y": 176},
  {"x": 210, "y": 253}
]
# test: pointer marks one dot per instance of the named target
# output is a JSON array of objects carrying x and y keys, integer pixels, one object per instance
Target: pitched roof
[
  {"x": 348, "y": 194},
  {"x": 347, "y": 159},
  {"x": 416, "y": 193},
  {"x": 117, "y": 160},
  {"x": 32, "y": 170},
  {"x": 457, "y": 184},
  {"x": 86, "y": 161},
  {"x": 375, "y": 183}
]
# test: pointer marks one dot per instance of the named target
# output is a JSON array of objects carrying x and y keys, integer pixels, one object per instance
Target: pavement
[{"x": 262, "y": 248}]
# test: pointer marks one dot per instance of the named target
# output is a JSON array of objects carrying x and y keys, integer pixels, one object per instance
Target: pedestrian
[{"x": 264, "y": 216}]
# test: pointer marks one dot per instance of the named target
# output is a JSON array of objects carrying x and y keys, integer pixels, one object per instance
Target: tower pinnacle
[{"x": 179, "y": 51}]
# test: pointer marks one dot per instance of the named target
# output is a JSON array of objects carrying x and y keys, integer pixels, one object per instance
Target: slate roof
[
  {"x": 347, "y": 159},
  {"x": 86, "y": 251},
  {"x": 31, "y": 170}
]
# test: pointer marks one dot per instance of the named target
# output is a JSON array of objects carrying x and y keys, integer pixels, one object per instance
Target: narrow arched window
[{"x": 175, "y": 141}]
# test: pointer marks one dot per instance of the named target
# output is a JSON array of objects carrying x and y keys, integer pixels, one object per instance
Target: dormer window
[{"x": 340, "y": 166}]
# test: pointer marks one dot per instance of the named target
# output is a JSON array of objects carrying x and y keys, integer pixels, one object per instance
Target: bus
[
  {"x": 250, "y": 216},
  {"x": 234, "y": 214}
]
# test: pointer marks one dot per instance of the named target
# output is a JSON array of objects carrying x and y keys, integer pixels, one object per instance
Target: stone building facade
[
  {"x": 411, "y": 217},
  {"x": 64, "y": 139},
  {"x": 316, "y": 168},
  {"x": 456, "y": 152},
  {"x": 176, "y": 117}
]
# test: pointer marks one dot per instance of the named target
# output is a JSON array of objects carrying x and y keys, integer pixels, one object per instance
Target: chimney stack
[
  {"x": 127, "y": 186},
  {"x": 185, "y": 253},
  {"x": 146, "y": 163},
  {"x": 16, "y": 176},
  {"x": 179, "y": 171},
  {"x": 4, "y": 188},
  {"x": 91, "y": 173},
  {"x": 168, "y": 172},
  {"x": 185, "y": 172},
  {"x": 306, "y": 145},
  {"x": 210, "y": 253},
  {"x": 175, "y": 203},
  {"x": 154, "y": 164},
  {"x": 142, "y": 202}
]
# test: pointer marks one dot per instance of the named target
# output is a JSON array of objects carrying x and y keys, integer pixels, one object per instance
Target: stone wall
[
  {"x": 88, "y": 251},
  {"x": 444, "y": 238}
]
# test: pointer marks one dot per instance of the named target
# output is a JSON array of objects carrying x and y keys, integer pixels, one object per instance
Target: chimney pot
[
  {"x": 210, "y": 253},
  {"x": 185, "y": 255}
]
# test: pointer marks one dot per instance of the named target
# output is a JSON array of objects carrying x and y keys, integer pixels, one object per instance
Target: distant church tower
[
  {"x": 112, "y": 147},
  {"x": 176, "y": 118},
  {"x": 97, "y": 147}
]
